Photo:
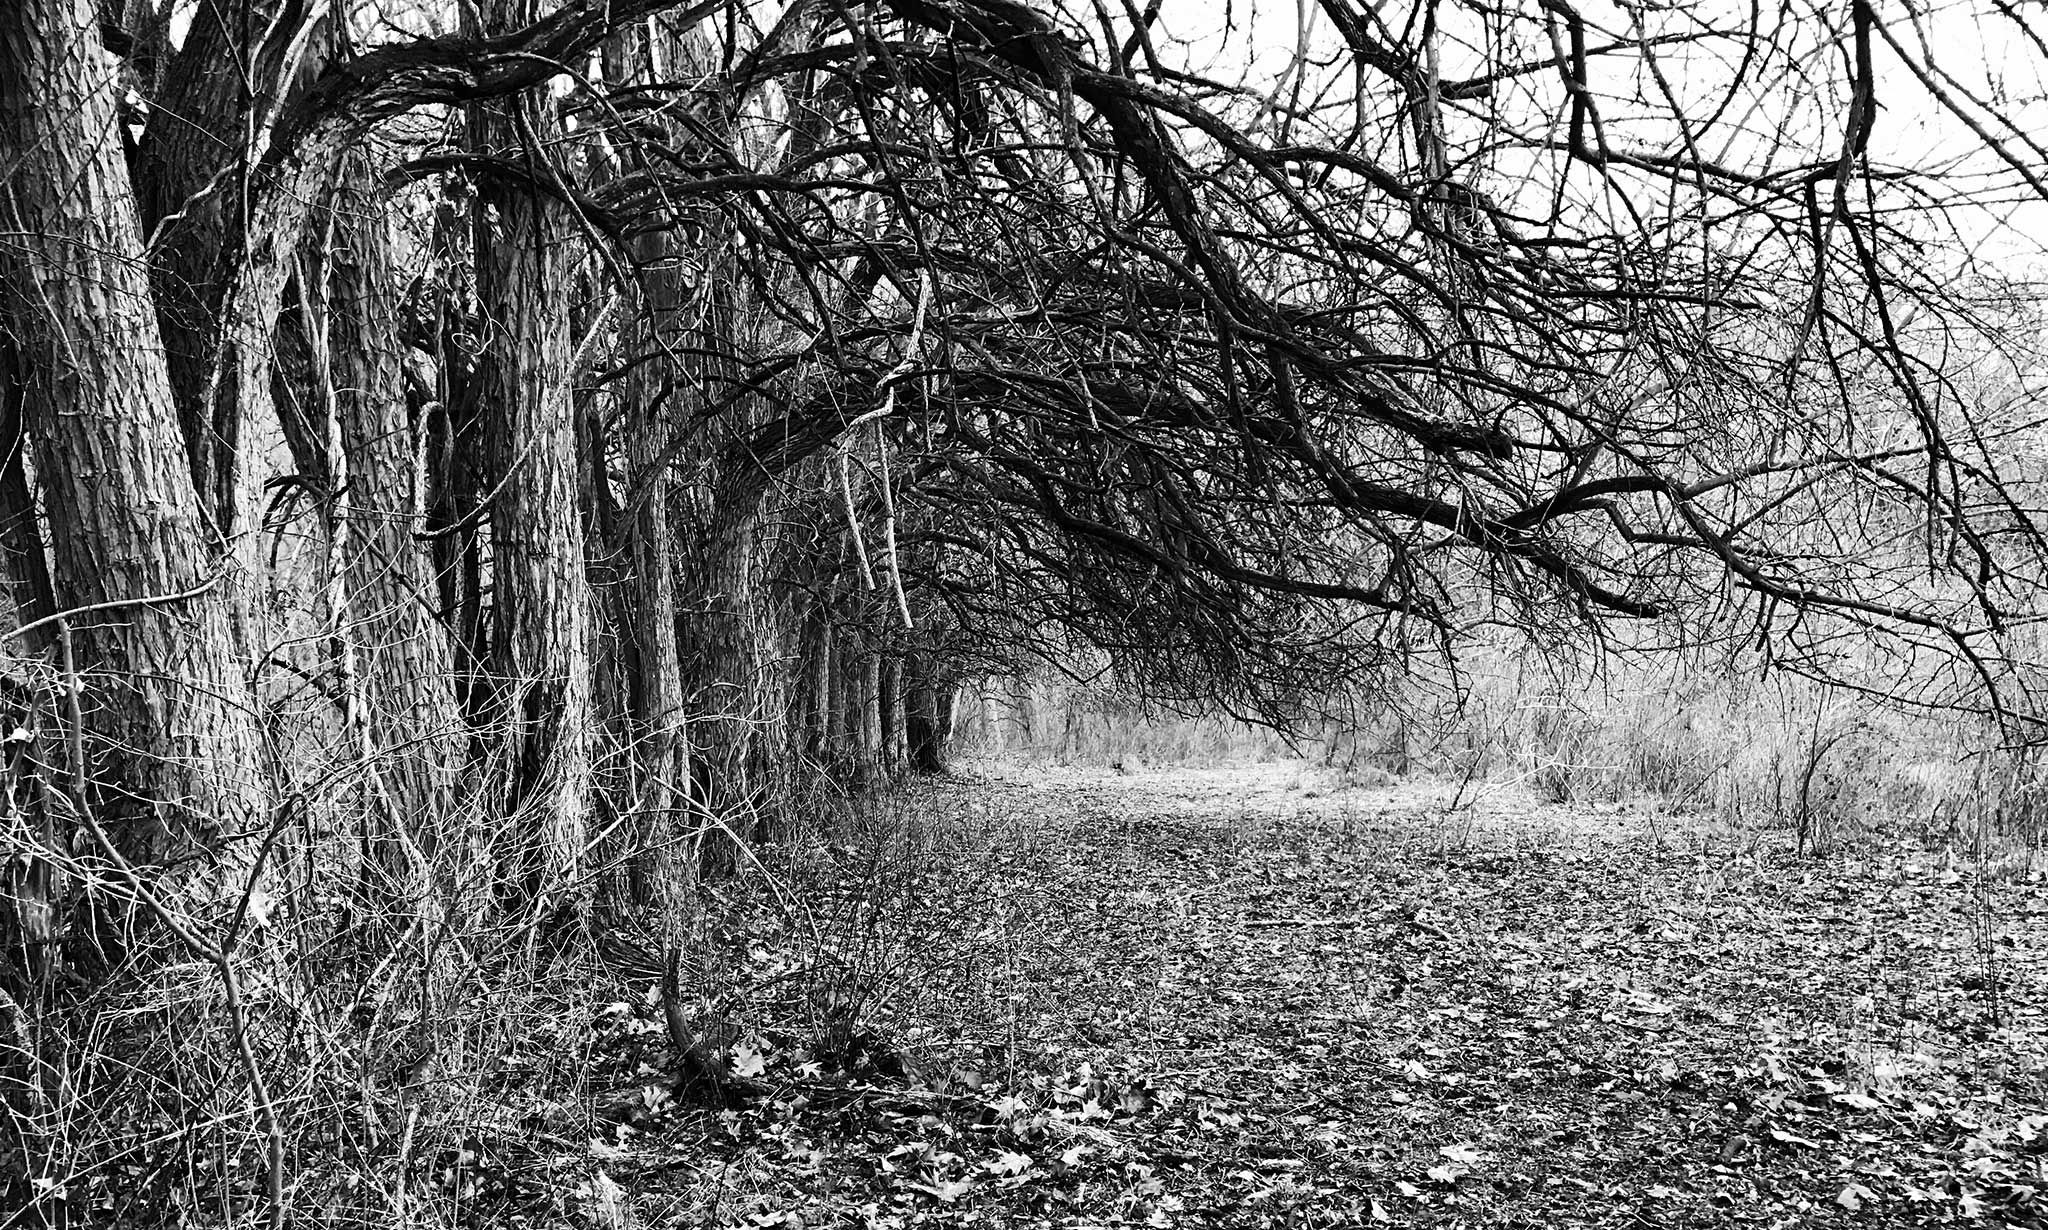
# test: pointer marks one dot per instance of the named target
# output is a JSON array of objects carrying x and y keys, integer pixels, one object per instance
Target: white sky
[
  {"x": 1793, "y": 110},
  {"x": 1988, "y": 66}
]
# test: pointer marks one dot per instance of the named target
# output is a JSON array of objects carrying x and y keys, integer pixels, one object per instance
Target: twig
[
  {"x": 63, "y": 618},
  {"x": 218, "y": 957},
  {"x": 1429, "y": 929}
]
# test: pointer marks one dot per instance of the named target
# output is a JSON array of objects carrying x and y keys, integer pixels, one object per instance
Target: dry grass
[{"x": 1696, "y": 734}]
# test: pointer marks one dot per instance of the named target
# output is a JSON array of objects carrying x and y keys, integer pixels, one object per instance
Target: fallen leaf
[
  {"x": 945, "y": 1191},
  {"x": 1011, "y": 1163}
]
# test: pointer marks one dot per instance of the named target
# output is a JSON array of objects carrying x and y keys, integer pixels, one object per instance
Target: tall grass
[
  {"x": 1710, "y": 733},
  {"x": 1829, "y": 764}
]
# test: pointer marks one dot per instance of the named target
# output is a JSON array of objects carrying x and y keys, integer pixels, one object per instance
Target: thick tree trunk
[
  {"x": 736, "y": 697},
  {"x": 657, "y": 395},
  {"x": 396, "y": 655},
  {"x": 662, "y": 735},
  {"x": 457, "y": 468},
  {"x": 230, "y": 66},
  {"x": 540, "y": 652},
  {"x": 175, "y": 753},
  {"x": 621, "y": 878},
  {"x": 194, "y": 132}
]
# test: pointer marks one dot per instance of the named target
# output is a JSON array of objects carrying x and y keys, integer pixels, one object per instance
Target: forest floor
[{"x": 1046, "y": 996}]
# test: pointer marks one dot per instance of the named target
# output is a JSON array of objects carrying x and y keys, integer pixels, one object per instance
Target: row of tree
[
  {"x": 470, "y": 468},
  {"x": 494, "y": 448}
]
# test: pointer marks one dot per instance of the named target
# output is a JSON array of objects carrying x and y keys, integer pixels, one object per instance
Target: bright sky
[
  {"x": 1970, "y": 76},
  {"x": 1988, "y": 67}
]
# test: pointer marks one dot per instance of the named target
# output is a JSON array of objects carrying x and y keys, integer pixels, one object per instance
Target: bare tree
[
  {"x": 172, "y": 749},
  {"x": 541, "y": 600}
]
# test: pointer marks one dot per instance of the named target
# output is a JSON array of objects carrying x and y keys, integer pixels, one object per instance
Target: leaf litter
[{"x": 1234, "y": 998}]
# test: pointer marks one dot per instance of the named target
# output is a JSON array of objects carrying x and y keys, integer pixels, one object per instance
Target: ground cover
[{"x": 1254, "y": 997}]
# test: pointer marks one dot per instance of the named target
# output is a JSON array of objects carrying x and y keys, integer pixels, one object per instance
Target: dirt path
[{"x": 1241, "y": 998}]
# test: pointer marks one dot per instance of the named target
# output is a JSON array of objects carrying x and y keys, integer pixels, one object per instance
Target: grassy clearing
[{"x": 1259, "y": 997}]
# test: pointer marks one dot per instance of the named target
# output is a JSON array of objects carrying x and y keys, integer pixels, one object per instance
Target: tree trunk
[
  {"x": 889, "y": 696},
  {"x": 662, "y": 735},
  {"x": 194, "y": 131},
  {"x": 231, "y": 63},
  {"x": 620, "y": 876},
  {"x": 457, "y": 468},
  {"x": 817, "y": 685},
  {"x": 174, "y": 754},
  {"x": 924, "y": 725},
  {"x": 658, "y": 406},
  {"x": 406, "y": 719},
  {"x": 540, "y": 654},
  {"x": 868, "y": 699},
  {"x": 737, "y": 711}
]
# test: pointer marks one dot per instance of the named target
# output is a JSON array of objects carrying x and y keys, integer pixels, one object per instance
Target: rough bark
[
  {"x": 729, "y": 650},
  {"x": 194, "y": 177},
  {"x": 457, "y": 469},
  {"x": 622, "y": 877},
  {"x": 540, "y": 653},
  {"x": 656, "y": 396},
  {"x": 391, "y": 647},
  {"x": 327, "y": 117},
  {"x": 195, "y": 133},
  {"x": 662, "y": 734},
  {"x": 174, "y": 742}
]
